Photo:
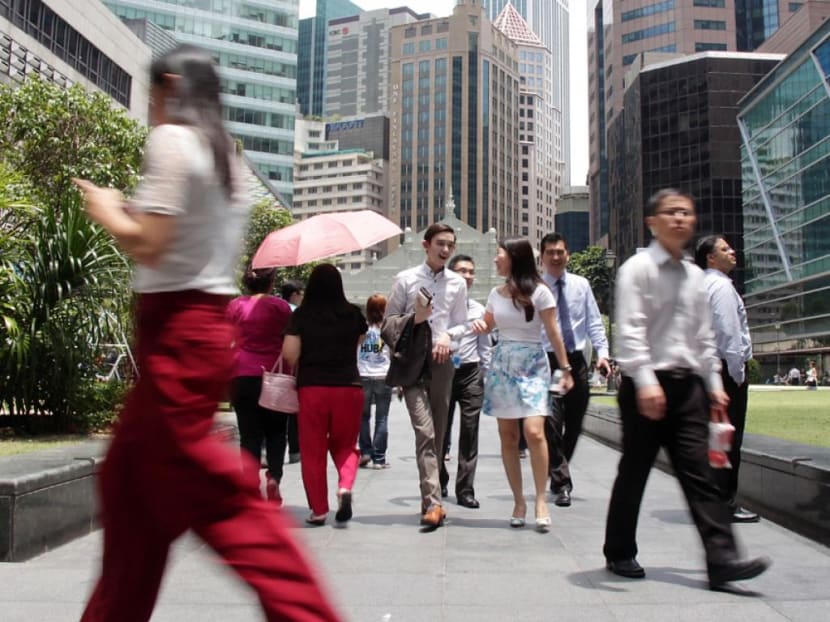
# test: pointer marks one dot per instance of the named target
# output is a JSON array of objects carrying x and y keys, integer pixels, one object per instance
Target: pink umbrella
[{"x": 321, "y": 236}]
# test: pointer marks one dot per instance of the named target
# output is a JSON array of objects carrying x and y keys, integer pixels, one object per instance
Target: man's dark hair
[
  {"x": 552, "y": 238},
  {"x": 459, "y": 258},
  {"x": 289, "y": 288},
  {"x": 661, "y": 195},
  {"x": 259, "y": 281},
  {"x": 436, "y": 228},
  {"x": 705, "y": 247}
]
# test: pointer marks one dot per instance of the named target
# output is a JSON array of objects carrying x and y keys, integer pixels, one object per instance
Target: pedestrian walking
[
  {"x": 579, "y": 322},
  {"x": 471, "y": 357},
  {"x": 373, "y": 365},
  {"x": 666, "y": 349},
  {"x": 443, "y": 309},
  {"x": 321, "y": 340},
  {"x": 517, "y": 383},
  {"x": 164, "y": 472},
  {"x": 260, "y": 319},
  {"x": 734, "y": 348}
]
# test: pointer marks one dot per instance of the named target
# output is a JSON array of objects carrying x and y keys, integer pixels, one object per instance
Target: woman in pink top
[{"x": 260, "y": 319}]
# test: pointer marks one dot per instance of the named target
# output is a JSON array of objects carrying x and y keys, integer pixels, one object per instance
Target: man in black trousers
[
  {"x": 471, "y": 356},
  {"x": 666, "y": 349},
  {"x": 714, "y": 255},
  {"x": 579, "y": 322}
]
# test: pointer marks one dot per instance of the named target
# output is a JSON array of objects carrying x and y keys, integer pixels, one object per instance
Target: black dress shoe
[
  {"x": 628, "y": 568},
  {"x": 444, "y": 492},
  {"x": 562, "y": 498},
  {"x": 742, "y": 515},
  {"x": 468, "y": 501},
  {"x": 721, "y": 574}
]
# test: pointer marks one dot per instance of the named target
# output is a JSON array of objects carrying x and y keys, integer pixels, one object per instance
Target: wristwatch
[{"x": 566, "y": 368}]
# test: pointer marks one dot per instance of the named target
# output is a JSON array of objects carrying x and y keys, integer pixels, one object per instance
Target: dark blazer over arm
[{"x": 411, "y": 347}]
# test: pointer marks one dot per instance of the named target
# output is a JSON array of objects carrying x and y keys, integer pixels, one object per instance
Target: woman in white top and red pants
[{"x": 165, "y": 473}]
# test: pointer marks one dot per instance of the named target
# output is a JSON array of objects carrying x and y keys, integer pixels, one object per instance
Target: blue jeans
[{"x": 375, "y": 389}]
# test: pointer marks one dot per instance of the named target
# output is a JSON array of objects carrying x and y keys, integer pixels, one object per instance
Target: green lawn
[
  {"x": 12, "y": 447},
  {"x": 795, "y": 415}
]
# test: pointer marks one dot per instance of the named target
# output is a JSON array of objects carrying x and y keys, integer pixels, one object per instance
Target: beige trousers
[{"x": 428, "y": 404}]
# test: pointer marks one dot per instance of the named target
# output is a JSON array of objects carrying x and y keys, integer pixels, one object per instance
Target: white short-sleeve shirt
[{"x": 510, "y": 320}]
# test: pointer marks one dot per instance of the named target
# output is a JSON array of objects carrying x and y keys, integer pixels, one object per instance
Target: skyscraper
[
  {"x": 357, "y": 66},
  {"x": 454, "y": 92},
  {"x": 757, "y": 20},
  {"x": 255, "y": 45},
  {"x": 540, "y": 158},
  {"x": 313, "y": 36},
  {"x": 549, "y": 19}
]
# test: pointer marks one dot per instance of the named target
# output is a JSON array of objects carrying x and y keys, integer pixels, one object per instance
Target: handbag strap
[{"x": 277, "y": 367}]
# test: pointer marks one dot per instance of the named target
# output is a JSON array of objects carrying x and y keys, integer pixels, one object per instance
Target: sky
[{"x": 578, "y": 57}]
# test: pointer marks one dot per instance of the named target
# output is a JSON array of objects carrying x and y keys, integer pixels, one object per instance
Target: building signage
[{"x": 343, "y": 126}]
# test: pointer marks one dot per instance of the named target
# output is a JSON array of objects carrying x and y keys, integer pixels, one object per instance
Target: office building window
[
  {"x": 651, "y": 9},
  {"x": 408, "y": 49},
  {"x": 704, "y": 47},
  {"x": 709, "y": 24},
  {"x": 717, "y": 4},
  {"x": 645, "y": 33}
]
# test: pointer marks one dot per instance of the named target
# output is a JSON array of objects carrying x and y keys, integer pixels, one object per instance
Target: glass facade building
[
  {"x": 255, "y": 45},
  {"x": 785, "y": 158},
  {"x": 677, "y": 129},
  {"x": 311, "y": 81}
]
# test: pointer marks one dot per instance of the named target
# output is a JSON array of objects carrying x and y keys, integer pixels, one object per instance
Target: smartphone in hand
[{"x": 424, "y": 297}]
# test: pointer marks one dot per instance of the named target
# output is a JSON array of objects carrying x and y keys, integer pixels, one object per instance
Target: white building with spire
[
  {"x": 540, "y": 129},
  {"x": 549, "y": 20}
]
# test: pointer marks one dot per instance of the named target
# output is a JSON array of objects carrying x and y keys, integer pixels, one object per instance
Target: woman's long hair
[
  {"x": 324, "y": 296},
  {"x": 524, "y": 277},
  {"x": 195, "y": 101}
]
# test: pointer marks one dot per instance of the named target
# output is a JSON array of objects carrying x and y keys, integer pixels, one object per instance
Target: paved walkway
[{"x": 382, "y": 569}]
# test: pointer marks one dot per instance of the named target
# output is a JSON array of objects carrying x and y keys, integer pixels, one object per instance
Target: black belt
[
  {"x": 678, "y": 373},
  {"x": 466, "y": 366}
]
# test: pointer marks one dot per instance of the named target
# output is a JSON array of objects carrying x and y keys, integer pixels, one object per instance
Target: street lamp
[
  {"x": 778, "y": 349},
  {"x": 611, "y": 264}
]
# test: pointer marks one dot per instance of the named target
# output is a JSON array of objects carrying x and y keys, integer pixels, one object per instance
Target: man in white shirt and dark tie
[
  {"x": 714, "y": 255},
  {"x": 666, "y": 349},
  {"x": 579, "y": 321}
]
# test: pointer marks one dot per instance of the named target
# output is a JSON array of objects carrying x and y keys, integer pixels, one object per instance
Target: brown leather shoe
[{"x": 434, "y": 516}]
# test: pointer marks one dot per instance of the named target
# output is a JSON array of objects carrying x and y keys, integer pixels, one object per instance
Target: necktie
[{"x": 564, "y": 317}]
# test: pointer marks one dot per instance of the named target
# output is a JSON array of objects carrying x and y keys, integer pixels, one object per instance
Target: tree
[
  {"x": 51, "y": 134},
  {"x": 63, "y": 282},
  {"x": 590, "y": 264},
  {"x": 265, "y": 218}
]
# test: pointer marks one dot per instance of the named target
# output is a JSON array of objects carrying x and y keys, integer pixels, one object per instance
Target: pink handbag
[{"x": 279, "y": 390}]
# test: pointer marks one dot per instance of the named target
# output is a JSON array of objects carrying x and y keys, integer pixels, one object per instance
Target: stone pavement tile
[
  {"x": 213, "y": 612},
  {"x": 803, "y": 611},
  {"x": 529, "y": 612},
  {"x": 745, "y": 610},
  {"x": 395, "y": 613},
  {"x": 386, "y": 589},
  {"x": 506, "y": 590},
  {"x": 48, "y": 611}
]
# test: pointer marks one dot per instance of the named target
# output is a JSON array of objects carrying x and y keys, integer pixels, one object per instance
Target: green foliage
[
  {"x": 590, "y": 264},
  {"x": 63, "y": 282},
  {"x": 265, "y": 218},
  {"x": 98, "y": 405},
  {"x": 51, "y": 134},
  {"x": 753, "y": 372}
]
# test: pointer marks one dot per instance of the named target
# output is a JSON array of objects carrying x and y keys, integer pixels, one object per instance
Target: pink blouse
[{"x": 260, "y": 322}]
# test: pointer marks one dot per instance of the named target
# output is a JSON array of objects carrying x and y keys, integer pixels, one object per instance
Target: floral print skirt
[{"x": 516, "y": 383}]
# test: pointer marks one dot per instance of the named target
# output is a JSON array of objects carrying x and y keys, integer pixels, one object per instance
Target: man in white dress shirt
[
  {"x": 579, "y": 321},
  {"x": 666, "y": 349},
  {"x": 428, "y": 402},
  {"x": 714, "y": 255},
  {"x": 470, "y": 360}
]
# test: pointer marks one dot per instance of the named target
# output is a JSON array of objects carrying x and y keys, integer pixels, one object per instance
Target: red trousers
[
  {"x": 165, "y": 473},
  {"x": 329, "y": 422}
]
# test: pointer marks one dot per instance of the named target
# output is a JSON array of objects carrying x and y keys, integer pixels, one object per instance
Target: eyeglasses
[{"x": 675, "y": 212}]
